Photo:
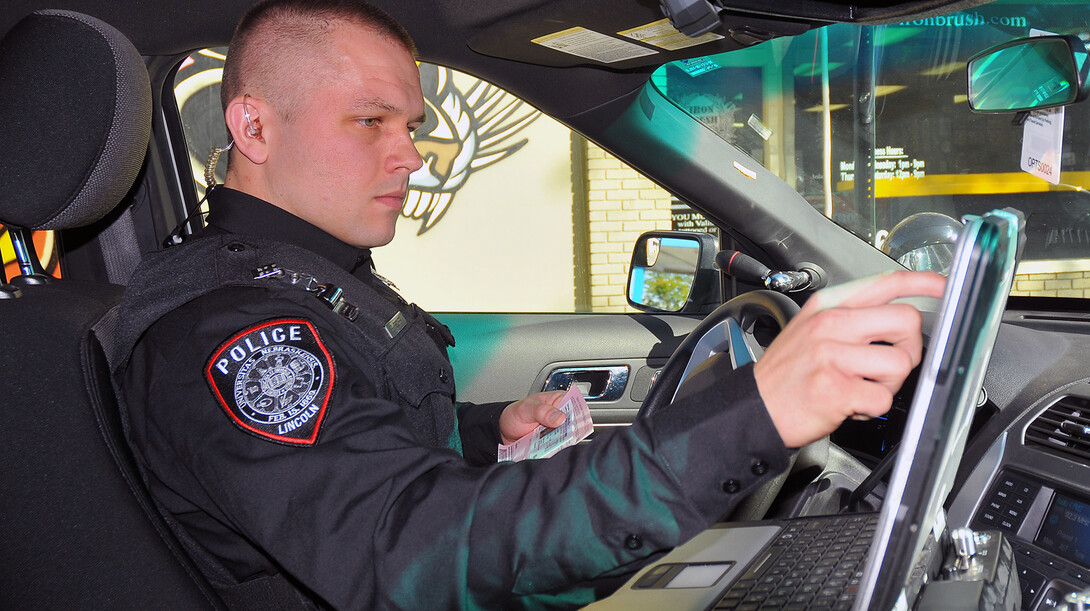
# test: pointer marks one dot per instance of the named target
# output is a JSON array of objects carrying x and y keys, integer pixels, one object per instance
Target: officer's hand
[
  {"x": 522, "y": 417},
  {"x": 826, "y": 366}
]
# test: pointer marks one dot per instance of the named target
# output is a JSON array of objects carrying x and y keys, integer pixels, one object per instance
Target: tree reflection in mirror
[{"x": 663, "y": 271}]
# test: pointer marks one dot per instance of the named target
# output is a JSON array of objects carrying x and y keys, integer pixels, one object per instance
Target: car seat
[{"x": 77, "y": 527}]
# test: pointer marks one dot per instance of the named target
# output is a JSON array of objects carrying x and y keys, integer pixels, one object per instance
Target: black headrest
[{"x": 75, "y": 111}]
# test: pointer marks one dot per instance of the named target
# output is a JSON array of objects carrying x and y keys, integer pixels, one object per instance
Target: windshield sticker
[
  {"x": 582, "y": 42},
  {"x": 698, "y": 65},
  {"x": 748, "y": 173},
  {"x": 665, "y": 36},
  {"x": 892, "y": 162},
  {"x": 762, "y": 130},
  {"x": 274, "y": 380}
]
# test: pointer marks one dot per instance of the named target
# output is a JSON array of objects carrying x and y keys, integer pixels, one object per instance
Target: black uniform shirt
[{"x": 369, "y": 514}]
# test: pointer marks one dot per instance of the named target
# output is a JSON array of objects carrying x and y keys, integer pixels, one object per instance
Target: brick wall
[
  {"x": 622, "y": 204},
  {"x": 1067, "y": 278}
]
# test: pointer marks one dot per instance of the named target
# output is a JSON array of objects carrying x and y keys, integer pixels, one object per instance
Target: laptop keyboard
[{"x": 814, "y": 563}]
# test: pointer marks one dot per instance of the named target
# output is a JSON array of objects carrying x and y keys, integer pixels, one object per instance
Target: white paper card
[{"x": 1042, "y": 144}]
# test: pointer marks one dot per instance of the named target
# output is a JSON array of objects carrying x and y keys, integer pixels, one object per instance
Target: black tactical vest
[{"x": 415, "y": 371}]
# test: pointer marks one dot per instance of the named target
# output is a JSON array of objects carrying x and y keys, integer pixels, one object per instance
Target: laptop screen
[{"x": 942, "y": 408}]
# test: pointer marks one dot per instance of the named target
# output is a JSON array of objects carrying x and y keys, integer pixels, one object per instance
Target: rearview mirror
[
  {"x": 673, "y": 271},
  {"x": 1028, "y": 74}
]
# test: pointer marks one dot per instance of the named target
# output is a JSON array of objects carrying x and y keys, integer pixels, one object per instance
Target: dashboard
[{"x": 1026, "y": 472}]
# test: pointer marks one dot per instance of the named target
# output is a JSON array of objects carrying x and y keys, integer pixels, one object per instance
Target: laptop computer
[{"x": 871, "y": 560}]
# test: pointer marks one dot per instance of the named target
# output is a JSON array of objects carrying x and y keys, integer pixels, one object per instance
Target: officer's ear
[{"x": 243, "y": 117}]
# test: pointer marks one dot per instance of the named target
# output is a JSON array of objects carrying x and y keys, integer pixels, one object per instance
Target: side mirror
[
  {"x": 674, "y": 271},
  {"x": 1028, "y": 74}
]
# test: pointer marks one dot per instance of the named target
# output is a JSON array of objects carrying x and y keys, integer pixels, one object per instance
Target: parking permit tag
[
  {"x": 1042, "y": 144},
  {"x": 1043, "y": 138}
]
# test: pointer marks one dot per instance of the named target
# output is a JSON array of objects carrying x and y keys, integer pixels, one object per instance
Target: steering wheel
[
  {"x": 727, "y": 329},
  {"x": 730, "y": 329}
]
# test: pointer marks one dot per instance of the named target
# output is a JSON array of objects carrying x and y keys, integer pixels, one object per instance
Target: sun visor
[{"x": 617, "y": 35}]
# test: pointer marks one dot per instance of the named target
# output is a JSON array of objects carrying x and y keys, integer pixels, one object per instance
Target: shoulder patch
[{"x": 274, "y": 380}]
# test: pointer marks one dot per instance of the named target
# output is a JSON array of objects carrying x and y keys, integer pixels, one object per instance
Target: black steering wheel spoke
[{"x": 728, "y": 329}]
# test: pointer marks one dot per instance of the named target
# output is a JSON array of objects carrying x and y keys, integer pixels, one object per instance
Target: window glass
[
  {"x": 870, "y": 125},
  {"x": 512, "y": 211},
  {"x": 44, "y": 243}
]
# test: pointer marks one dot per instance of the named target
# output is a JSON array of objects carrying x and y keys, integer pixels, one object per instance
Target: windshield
[{"x": 870, "y": 124}]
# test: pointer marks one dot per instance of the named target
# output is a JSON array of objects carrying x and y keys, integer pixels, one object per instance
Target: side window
[
  {"x": 45, "y": 244},
  {"x": 511, "y": 212}
]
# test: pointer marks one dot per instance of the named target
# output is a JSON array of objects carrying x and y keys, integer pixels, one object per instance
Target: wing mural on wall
[{"x": 465, "y": 131}]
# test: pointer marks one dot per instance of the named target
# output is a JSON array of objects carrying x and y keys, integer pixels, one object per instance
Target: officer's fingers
[
  {"x": 879, "y": 363},
  {"x": 519, "y": 418},
  {"x": 539, "y": 408},
  {"x": 553, "y": 397},
  {"x": 549, "y": 416},
  {"x": 895, "y": 324},
  {"x": 868, "y": 400},
  {"x": 877, "y": 290}
]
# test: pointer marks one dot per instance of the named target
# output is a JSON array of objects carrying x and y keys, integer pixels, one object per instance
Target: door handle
[{"x": 597, "y": 383}]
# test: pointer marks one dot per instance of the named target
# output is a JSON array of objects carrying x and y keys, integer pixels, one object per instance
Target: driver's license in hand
[{"x": 543, "y": 441}]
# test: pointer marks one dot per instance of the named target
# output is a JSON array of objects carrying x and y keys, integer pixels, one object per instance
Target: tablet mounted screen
[{"x": 942, "y": 408}]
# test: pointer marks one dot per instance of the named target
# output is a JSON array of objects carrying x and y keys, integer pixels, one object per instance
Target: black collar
[{"x": 231, "y": 211}]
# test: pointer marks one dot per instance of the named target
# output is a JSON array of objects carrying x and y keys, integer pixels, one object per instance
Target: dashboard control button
[
  {"x": 1029, "y": 592},
  {"x": 1051, "y": 599},
  {"x": 1030, "y": 577},
  {"x": 1006, "y": 524}
]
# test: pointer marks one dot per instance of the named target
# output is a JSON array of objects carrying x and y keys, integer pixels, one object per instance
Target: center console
[{"x": 1048, "y": 526}]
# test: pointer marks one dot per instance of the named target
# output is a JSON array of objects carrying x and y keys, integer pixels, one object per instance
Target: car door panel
[{"x": 504, "y": 357}]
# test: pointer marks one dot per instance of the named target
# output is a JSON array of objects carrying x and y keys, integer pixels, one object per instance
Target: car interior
[{"x": 93, "y": 149}]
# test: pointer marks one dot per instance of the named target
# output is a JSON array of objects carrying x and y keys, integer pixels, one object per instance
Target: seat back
[{"x": 77, "y": 527}]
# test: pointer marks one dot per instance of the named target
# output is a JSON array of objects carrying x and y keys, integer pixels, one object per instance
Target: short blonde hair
[{"x": 300, "y": 31}]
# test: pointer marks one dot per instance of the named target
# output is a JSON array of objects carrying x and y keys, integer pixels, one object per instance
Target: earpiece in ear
[{"x": 251, "y": 129}]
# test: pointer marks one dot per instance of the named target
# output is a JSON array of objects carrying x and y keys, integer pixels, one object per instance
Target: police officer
[{"x": 295, "y": 417}]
